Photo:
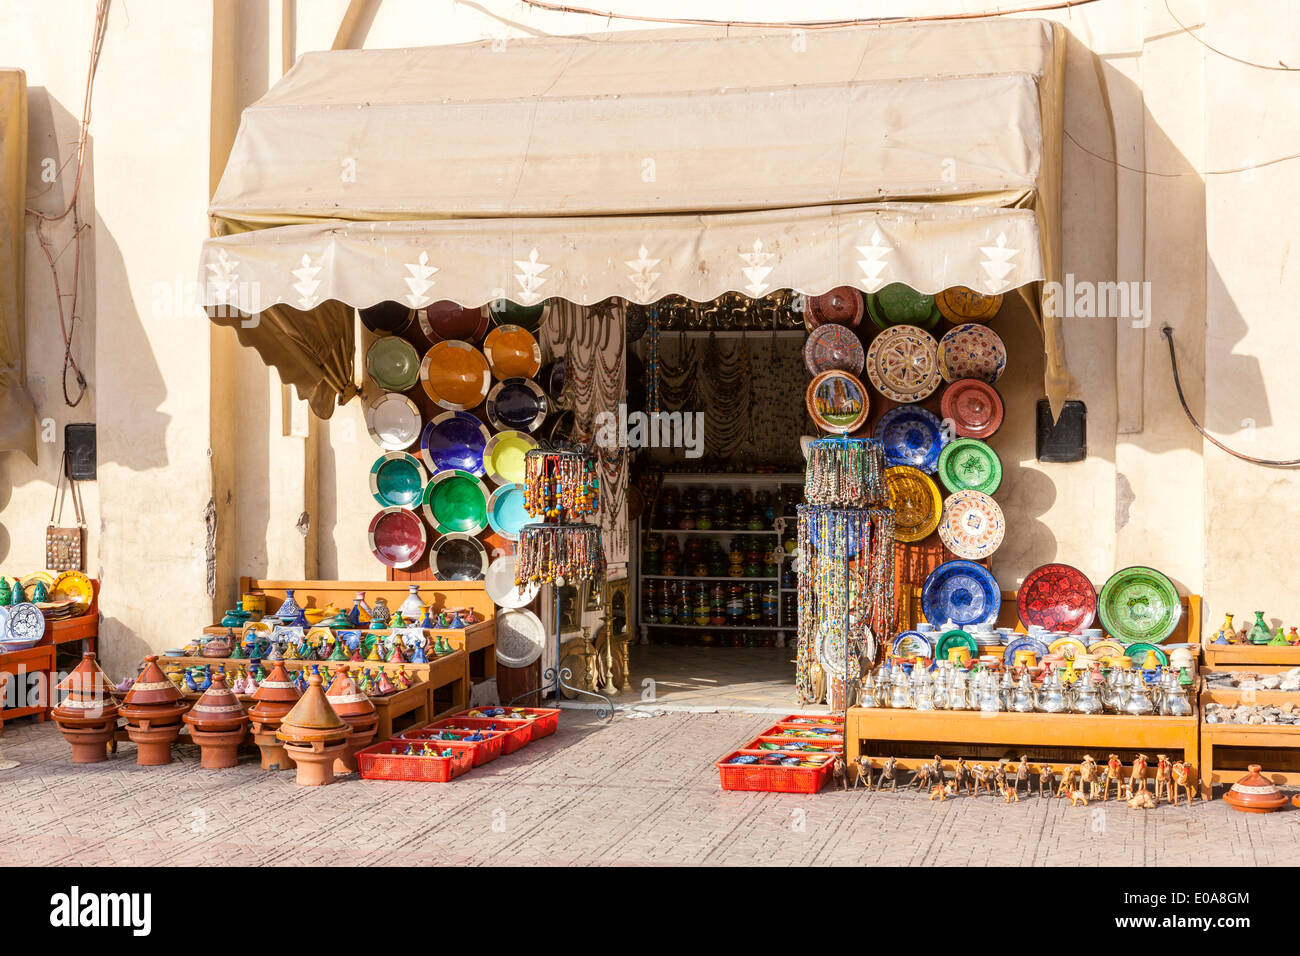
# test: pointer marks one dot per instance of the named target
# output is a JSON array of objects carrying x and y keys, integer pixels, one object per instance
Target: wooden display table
[
  {"x": 84, "y": 627},
  {"x": 1248, "y": 657},
  {"x": 915, "y": 736},
  {"x": 1227, "y": 750},
  {"x": 20, "y": 666},
  {"x": 321, "y": 594}
]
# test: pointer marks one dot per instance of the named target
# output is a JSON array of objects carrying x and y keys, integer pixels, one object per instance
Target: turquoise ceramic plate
[
  {"x": 1137, "y": 654},
  {"x": 506, "y": 512},
  {"x": 397, "y": 480},
  {"x": 957, "y": 638},
  {"x": 1139, "y": 604}
]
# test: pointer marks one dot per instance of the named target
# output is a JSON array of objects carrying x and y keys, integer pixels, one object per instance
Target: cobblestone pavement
[{"x": 640, "y": 791}]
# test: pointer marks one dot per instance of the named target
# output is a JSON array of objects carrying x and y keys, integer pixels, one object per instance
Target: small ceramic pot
[{"x": 1254, "y": 793}]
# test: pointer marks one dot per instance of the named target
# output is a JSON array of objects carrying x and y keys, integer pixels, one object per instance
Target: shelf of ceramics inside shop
[
  {"x": 743, "y": 479},
  {"x": 722, "y": 627},
  {"x": 294, "y": 663},
  {"x": 692, "y": 577}
]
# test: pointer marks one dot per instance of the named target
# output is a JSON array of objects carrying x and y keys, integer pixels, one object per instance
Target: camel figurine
[
  {"x": 1010, "y": 792},
  {"x": 1069, "y": 782},
  {"x": 1115, "y": 775},
  {"x": 961, "y": 775},
  {"x": 942, "y": 792},
  {"x": 840, "y": 771},
  {"x": 1164, "y": 778},
  {"x": 1022, "y": 775},
  {"x": 981, "y": 775},
  {"x": 1182, "y": 775},
  {"x": 1142, "y": 800},
  {"x": 1077, "y": 797},
  {"x": 936, "y": 769},
  {"x": 889, "y": 773},
  {"x": 1046, "y": 778},
  {"x": 1138, "y": 778},
  {"x": 999, "y": 775},
  {"x": 923, "y": 779},
  {"x": 1090, "y": 774},
  {"x": 864, "y": 772}
]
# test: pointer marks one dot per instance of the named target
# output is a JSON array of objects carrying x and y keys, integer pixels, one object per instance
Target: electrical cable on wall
[{"x": 1168, "y": 333}]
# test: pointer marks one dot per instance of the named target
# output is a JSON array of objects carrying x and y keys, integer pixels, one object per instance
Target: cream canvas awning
[{"x": 637, "y": 165}]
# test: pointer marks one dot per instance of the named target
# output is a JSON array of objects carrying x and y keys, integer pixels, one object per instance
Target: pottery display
[
  {"x": 517, "y": 403},
  {"x": 506, "y": 512},
  {"x": 499, "y": 583},
  {"x": 455, "y": 501},
  {"x": 903, "y": 364},
  {"x": 273, "y": 698},
  {"x": 87, "y": 715},
  {"x": 503, "y": 457},
  {"x": 397, "y": 480},
  {"x": 959, "y": 304},
  {"x": 962, "y": 592},
  {"x": 393, "y": 363},
  {"x": 397, "y": 537},
  {"x": 455, "y": 375},
  {"x": 448, "y": 320},
  {"x": 357, "y": 712},
  {"x": 837, "y": 402},
  {"x": 1259, "y": 632},
  {"x": 458, "y": 557},
  {"x": 387, "y": 318},
  {"x": 393, "y": 421},
  {"x": 974, "y": 408},
  {"x": 528, "y": 317},
  {"x": 153, "y": 709},
  {"x": 512, "y": 352},
  {"x": 972, "y": 525},
  {"x": 218, "y": 725},
  {"x": 314, "y": 736},
  {"x": 840, "y": 306},
  {"x": 1057, "y": 597},
  {"x": 24, "y": 627},
  {"x": 833, "y": 347},
  {"x": 1254, "y": 793},
  {"x": 968, "y": 463},
  {"x": 972, "y": 351}
]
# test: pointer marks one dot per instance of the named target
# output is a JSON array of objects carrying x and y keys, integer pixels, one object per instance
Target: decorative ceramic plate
[
  {"x": 955, "y": 638},
  {"x": 393, "y": 421},
  {"x": 972, "y": 525},
  {"x": 455, "y": 375},
  {"x": 528, "y": 317},
  {"x": 912, "y": 436},
  {"x": 447, "y": 320},
  {"x": 396, "y": 480},
  {"x": 912, "y": 644},
  {"x": 26, "y": 626},
  {"x": 903, "y": 363},
  {"x": 837, "y": 402},
  {"x": 972, "y": 351},
  {"x": 1107, "y": 649},
  {"x": 916, "y": 502},
  {"x": 962, "y": 592},
  {"x": 1068, "y": 647},
  {"x": 44, "y": 577},
  {"x": 455, "y": 501},
  {"x": 512, "y": 352},
  {"x": 454, "y": 441},
  {"x": 841, "y": 306},
  {"x": 551, "y": 379},
  {"x": 899, "y": 304},
  {"x": 397, "y": 537},
  {"x": 72, "y": 586},
  {"x": 521, "y": 638},
  {"x": 833, "y": 348},
  {"x": 458, "y": 557},
  {"x": 499, "y": 583},
  {"x": 387, "y": 318},
  {"x": 973, "y": 407},
  {"x": 1024, "y": 643},
  {"x": 960, "y": 304},
  {"x": 969, "y": 463},
  {"x": 517, "y": 403},
  {"x": 1137, "y": 654},
  {"x": 1057, "y": 597},
  {"x": 503, "y": 459},
  {"x": 393, "y": 363},
  {"x": 1139, "y": 604},
  {"x": 505, "y": 511}
]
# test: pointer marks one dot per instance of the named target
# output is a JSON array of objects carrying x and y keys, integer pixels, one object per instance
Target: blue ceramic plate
[
  {"x": 912, "y": 644},
  {"x": 454, "y": 441},
  {"x": 912, "y": 436},
  {"x": 506, "y": 512},
  {"x": 1024, "y": 643},
  {"x": 962, "y": 592}
]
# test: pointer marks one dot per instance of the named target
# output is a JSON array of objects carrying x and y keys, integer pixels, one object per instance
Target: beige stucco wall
[{"x": 291, "y": 495}]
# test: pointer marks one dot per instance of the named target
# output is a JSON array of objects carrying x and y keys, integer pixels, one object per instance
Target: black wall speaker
[
  {"x": 1067, "y": 440},
  {"x": 79, "y": 443}
]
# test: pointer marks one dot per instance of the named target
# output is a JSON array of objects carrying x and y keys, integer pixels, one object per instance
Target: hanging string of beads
[
  {"x": 561, "y": 485},
  {"x": 846, "y": 471},
  {"x": 652, "y": 360},
  {"x": 559, "y": 554}
]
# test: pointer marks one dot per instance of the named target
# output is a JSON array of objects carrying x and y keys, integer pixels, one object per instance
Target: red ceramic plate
[
  {"x": 840, "y": 306},
  {"x": 1057, "y": 597},
  {"x": 397, "y": 537},
  {"x": 973, "y": 406},
  {"x": 447, "y": 320}
]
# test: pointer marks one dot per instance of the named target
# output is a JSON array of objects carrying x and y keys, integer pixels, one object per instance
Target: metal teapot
[
  {"x": 1139, "y": 703},
  {"x": 1022, "y": 699},
  {"x": 1051, "y": 698},
  {"x": 867, "y": 691},
  {"x": 1176, "y": 703},
  {"x": 1085, "y": 699}
]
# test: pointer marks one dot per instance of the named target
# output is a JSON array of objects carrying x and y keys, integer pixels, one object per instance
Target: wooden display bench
[
  {"x": 915, "y": 736},
  {"x": 20, "y": 666},
  {"x": 1250, "y": 657},
  {"x": 84, "y": 627},
  {"x": 1227, "y": 750}
]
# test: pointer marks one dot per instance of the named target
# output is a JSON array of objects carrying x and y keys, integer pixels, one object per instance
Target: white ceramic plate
[{"x": 500, "y": 584}]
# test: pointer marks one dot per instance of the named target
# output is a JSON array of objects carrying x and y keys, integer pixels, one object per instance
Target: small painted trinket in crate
[{"x": 389, "y": 761}]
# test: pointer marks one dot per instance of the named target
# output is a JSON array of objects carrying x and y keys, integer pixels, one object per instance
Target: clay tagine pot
[
  {"x": 314, "y": 736},
  {"x": 273, "y": 698},
  {"x": 350, "y": 703},
  {"x": 153, "y": 710},
  {"x": 87, "y": 717},
  {"x": 1254, "y": 793},
  {"x": 218, "y": 725}
]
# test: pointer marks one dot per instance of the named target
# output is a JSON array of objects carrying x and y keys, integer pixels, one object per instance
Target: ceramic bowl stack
[{"x": 985, "y": 636}]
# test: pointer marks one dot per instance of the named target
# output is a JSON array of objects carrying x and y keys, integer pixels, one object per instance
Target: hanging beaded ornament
[
  {"x": 561, "y": 484},
  {"x": 559, "y": 554},
  {"x": 846, "y": 471}
]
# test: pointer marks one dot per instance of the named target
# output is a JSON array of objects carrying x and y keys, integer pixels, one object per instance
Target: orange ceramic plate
[
  {"x": 455, "y": 375},
  {"x": 512, "y": 352}
]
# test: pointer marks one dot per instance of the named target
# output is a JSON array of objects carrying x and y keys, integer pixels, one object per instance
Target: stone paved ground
[{"x": 640, "y": 791}]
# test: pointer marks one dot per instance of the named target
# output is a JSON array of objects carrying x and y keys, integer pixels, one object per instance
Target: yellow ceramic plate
[
  {"x": 72, "y": 586},
  {"x": 1107, "y": 650},
  {"x": 1068, "y": 647},
  {"x": 916, "y": 502},
  {"x": 29, "y": 580}
]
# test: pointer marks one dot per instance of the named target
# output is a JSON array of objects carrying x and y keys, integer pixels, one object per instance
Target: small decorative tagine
[
  {"x": 357, "y": 712},
  {"x": 218, "y": 725},
  {"x": 153, "y": 709},
  {"x": 87, "y": 717},
  {"x": 314, "y": 736},
  {"x": 1254, "y": 793},
  {"x": 272, "y": 700}
]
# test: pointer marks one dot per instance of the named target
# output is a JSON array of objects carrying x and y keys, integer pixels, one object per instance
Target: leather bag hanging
[{"x": 64, "y": 546}]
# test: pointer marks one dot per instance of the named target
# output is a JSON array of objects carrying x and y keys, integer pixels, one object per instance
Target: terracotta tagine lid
[
  {"x": 346, "y": 698},
  {"x": 275, "y": 696},
  {"x": 313, "y": 719},
  {"x": 218, "y": 709},
  {"x": 1255, "y": 793},
  {"x": 153, "y": 689},
  {"x": 89, "y": 691}
]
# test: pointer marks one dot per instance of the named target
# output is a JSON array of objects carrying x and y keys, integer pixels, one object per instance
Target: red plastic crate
[
  {"x": 387, "y": 761},
  {"x": 517, "y": 732},
  {"x": 834, "y": 745},
  {"x": 547, "y": 719},
  {"x": 484, "y": 750},
  {"x": 782, "y": 730},
  {"x": 813, "y": 719},
  {"x": 772, "y": 779}
]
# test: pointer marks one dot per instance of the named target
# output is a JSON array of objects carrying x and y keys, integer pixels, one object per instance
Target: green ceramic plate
[
  {"x": 1137, "y": 654},
  {"x": 955, "y": 638},
  {"x": 969, "y": 463},
  {"x": 1139, "y": 604},
  {"x": 898, "y": 304},
  {"x": 397, "y": 480},
  {"x": 455, "y": 501},
  {"x": 393, "y": 363}
]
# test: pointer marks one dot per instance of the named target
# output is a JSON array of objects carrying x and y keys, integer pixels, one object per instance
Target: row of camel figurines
[{"x": 1006, "y": 780}]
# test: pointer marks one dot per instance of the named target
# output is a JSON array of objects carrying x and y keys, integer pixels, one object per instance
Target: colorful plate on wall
[
  {"x": 1139, "y": 604},
  {"x": 960, "y": 304},
  {"x": 969, "y": 463},
  {"x": 521, "y": 638},
  {"x": 393, "y": 421},
  {"x": 974, "y": 407},
  {"x": 903, "y": 363},
  {"x": 517, "y": 403},
  {"x": 506, "y": 513},
  {"x": 528, "y": 317},
  {"x": 916, "y": 502},
  {"x": 455, "y": 501},
  {"x": 1058, "y": 597},
  {"x": 503, "y": 459},
  {"x": 972, "y": 525},
  {"x": 899, "y": 304},
  {"x": 972, "y": 351},
  {"x": 962, "y": 592},
  {"x": 455, "y": 375},
  {"x": 397, "y": 480},
  {"x": 833, "y": 348},
  {"x": 911, "y": 436},
  {"x": 447, "y": 320},
  {"x": 458, "y": 557},
  {"x": 393, "y": 363},
  {"x": 1023, "y": 642},
  {"x": 397, "y": 537},
  {"x": 840, "y": 306},
  {"x": 912, "y": 644},
  {"x": 837, "y": 402},
  {"x": 1137, "y": 654},
  {"x": 512, "y": 352},
  {"x": 387, "y": 318},
  {"x": 72, "y": 586},
  {"x": 499, "y": 583},
  {"x": 454, "y": 441}
]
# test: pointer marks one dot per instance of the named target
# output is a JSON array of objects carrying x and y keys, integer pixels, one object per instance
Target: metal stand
[{"x": 556, "y": 677}]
